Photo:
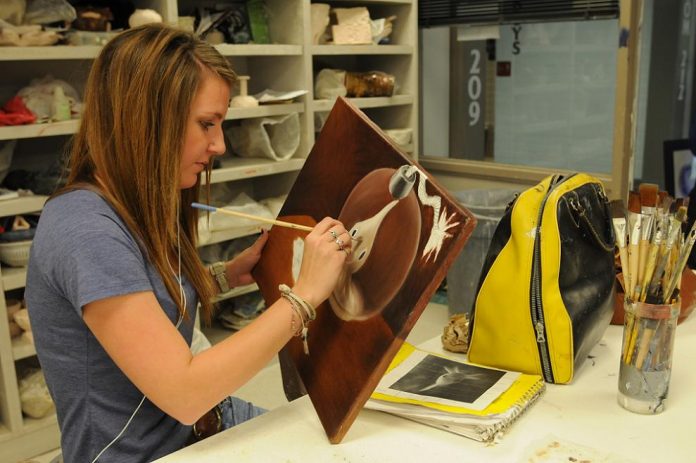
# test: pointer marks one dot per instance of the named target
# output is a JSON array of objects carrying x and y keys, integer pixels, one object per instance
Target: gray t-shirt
[{"x": 83, "y": 252}]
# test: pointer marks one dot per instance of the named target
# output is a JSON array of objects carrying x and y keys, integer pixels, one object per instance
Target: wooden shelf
[
  {"x": 34, "y": 437},
  {"x": 22, "y": 205},
  {"x": 373, "y": 102},
  {"x": 264, "y": 110},
  {"x": 231, "y": 233},
  {"x": 375, "y": 2},
  {"x": 241, "y": 168},
  {"x": 57, "y": 52},
  {"x": 70, "y": 127},
  {"x": 33, "y": 424},
  {"x": 227, "y": 49},
  {"x": 63, "y": 52},
  {"x": 22, "y": 348},
  {"x": 319, "y": 50},
  {"x": 39, "y": 130},
  {"x": 13, "y": 277},
  {"x": 235, "y": 292}
]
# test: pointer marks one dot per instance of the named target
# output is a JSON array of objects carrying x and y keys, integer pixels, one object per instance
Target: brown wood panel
[{"x": 347, "y": 175}]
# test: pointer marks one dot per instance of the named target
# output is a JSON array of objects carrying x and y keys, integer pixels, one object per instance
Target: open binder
[{"x": 471, "y": 400}]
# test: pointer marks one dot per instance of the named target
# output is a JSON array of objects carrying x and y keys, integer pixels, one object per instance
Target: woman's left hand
[{"x": 239, "y": 268}]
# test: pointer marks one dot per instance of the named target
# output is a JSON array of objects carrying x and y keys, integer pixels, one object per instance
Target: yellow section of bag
[
  {"x": 503, "y": 335},
  {"x": 559, "y": 330}
]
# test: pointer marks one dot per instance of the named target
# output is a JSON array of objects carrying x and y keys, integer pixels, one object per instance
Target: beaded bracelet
[
  {"x": 304, "y": 310},
  {"x": 303, "y": 331}
]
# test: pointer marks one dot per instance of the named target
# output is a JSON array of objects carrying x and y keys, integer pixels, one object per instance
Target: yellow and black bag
[{"x": 546, "y": 292}]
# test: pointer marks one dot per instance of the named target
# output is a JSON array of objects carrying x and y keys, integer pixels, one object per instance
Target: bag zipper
[{"x": 537, "y": 310}]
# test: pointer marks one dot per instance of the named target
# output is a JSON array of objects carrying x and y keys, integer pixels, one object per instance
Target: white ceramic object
[
  {"x": 144, "y": 16},
  {"x": 34, "y": 395},
  {"x": 243, "y": 100},
  {"x": 186, "y": 23},
  {"x": 353, "y": 26},
  {"x": 401, "y": 137},
  {"x": 215, "y": 37},
  {"x": 320, "y": 21},
  {"x": 16, "y": 253}
]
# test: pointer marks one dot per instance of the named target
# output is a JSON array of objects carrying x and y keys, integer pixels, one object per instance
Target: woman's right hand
[{"x": 326, "y": 250}]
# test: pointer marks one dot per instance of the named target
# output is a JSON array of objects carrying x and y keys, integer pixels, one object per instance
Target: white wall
[{"x": 556, "y": 109}]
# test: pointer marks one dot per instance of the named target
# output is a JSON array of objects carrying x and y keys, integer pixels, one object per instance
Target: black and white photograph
[{"x": 436, "y": 379}]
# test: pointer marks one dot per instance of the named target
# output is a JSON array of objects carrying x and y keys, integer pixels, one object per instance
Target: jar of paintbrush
[
  {"x": 653, "y": 253},
  {"x": 646, "y": 355}
]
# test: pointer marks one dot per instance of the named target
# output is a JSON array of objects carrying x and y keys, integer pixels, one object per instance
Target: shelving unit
[{"x": 290, "y": 63}]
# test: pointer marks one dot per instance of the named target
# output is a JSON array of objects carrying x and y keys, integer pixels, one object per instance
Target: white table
[{"x": 585, "y": 412}]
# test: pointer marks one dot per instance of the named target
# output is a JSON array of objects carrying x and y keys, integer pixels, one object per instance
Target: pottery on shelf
[{"x": 243, "y": 100}]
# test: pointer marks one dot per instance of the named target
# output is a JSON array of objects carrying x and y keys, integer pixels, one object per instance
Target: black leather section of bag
[{"x": 587, "y": 276}]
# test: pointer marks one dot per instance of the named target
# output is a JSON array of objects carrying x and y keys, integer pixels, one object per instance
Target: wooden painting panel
[{"x": 408, "y": 231}]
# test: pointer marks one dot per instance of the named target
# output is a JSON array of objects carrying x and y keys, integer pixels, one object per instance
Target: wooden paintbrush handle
[
  {"x": 650, "y": 269},
  {"x": 642, "y": 260},
  {"x": 623, "y": 258},
  {"x": 645, "y": 339},
  {"x": 256, "y": 218},
  {"x": 633, "y": 257}
]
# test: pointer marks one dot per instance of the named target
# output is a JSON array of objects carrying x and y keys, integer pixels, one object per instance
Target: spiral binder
[{"x": 487, "y": 424}]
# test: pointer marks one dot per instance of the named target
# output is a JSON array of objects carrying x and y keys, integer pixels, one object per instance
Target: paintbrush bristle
[
  {"x": 648, "y": 194},
  {"x": 661, "y": 195},
  {"x": 617, "y": 209},
  {"x": 634, "y": 202},
  {"x": 681, "y": 214},
  {"x": 665, "y": 202}
]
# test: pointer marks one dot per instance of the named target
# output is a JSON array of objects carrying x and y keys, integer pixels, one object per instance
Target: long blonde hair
[{"x": 137, "y": 100}]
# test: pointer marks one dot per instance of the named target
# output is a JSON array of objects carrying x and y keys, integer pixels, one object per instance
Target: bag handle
[{"x": 574, "y": 205}]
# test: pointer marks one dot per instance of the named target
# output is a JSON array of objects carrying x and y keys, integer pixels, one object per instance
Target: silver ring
[
  {"x": 333, "y": 234},
  {"x": 339, "y": 242}
]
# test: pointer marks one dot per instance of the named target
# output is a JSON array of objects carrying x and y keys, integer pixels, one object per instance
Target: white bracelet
[
  {"x": 304, "y": 310},
  {"x": 308, "y": 311}
]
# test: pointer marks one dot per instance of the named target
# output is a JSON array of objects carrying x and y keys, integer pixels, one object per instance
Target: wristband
[{"x": 219, "y": 271}]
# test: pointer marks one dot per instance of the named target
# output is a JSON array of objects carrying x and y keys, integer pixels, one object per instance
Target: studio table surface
[{"x": 583, "y": 414}]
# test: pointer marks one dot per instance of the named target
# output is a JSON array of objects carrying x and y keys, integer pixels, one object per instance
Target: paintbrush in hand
[{"x": 256, "y": 218}]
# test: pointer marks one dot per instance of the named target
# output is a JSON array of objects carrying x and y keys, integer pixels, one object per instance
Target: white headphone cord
[
  {"x": 122, "y": 430},
  {"x": 182, "y": 298}
]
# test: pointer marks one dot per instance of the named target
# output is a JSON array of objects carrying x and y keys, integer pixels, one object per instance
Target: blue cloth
[
  {"x": 236, "y": 411},
  {"x": 83, "y": 252}
]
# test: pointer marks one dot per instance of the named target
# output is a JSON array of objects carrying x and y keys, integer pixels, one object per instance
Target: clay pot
[{"x": 687, "y": 292}]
